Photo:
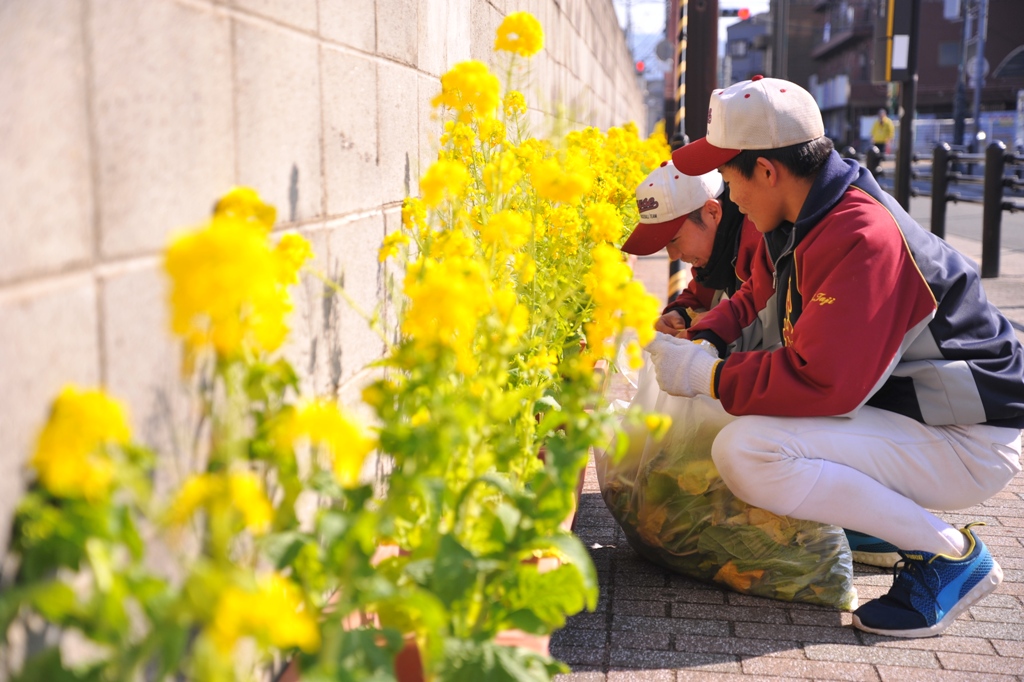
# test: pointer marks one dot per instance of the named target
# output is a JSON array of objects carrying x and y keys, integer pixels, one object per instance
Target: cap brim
[
  {"x": 700, "y": 157},
  {"x": 650, "y": 238}
]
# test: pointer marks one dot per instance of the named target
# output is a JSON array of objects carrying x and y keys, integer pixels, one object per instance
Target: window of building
[
  {"x": 949, "y": 54},
  {"x": 738, "y": 48}
]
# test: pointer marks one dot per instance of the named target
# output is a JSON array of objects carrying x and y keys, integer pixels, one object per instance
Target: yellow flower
[
  {"x": 558, "y": 184},
  {"x": 324, "y": 424},
  {"x": 243, "y": 203},
  {"x": 238, "y": 492},
  {"x": 446, "y": 301},
  {"x": 70, "y": 457},
  {"x": 227, "y": 286},
  {"x": 443, "y": 178},
  {"x": 414, "y": 216},
  {"x": 521, "y": 34},
  {"x": 470, "y": 90},
  {"x": 507, "y": 229},
  {"x": 514, "y": 103},
  {"x": 274, "y": 614},
  {"x": 292, "y": 252},
  {"x": 389, "y": 247},
  {"x": 605, "y": 223},
  {"x": 502, "y": 174}
]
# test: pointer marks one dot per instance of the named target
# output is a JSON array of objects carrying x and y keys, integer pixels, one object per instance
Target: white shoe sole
[{"x": 987, "y": 585}]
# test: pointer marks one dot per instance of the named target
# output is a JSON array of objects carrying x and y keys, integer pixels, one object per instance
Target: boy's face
[
  {"x": 693, "y": 243},
  {"x": 757, "y": 197}
]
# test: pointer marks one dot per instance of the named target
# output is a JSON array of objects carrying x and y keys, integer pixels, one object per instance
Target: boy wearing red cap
[
  {"x": 871, "y": 378},
  {"x": 694, "y": 219}
]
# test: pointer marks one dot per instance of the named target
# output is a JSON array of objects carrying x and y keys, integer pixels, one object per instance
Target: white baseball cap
[
  {"x": 664, "y": 199},
  {"x": 761, "y": 113}
]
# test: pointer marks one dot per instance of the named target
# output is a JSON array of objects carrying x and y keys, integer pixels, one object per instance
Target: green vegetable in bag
[{"x": 676, "y": 511}]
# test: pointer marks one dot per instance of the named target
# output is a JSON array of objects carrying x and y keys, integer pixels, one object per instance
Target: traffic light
[
  {"x": 640, "y": 66},
  {"x": 741, "y": 13}
]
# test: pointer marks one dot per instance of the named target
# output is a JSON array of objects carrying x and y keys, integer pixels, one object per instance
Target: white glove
[{"x": 683, "y": 367}]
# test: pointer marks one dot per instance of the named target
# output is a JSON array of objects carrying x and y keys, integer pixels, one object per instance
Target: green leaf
[
  {"x": 55, "y": 601},
  {"x": 547, "y": 597},
  {"x": 282, "y": 548},
  {"x": 455, "y": 570},
  {"x": 574, "y": 553},
  {"x": 471, "y": 661}
]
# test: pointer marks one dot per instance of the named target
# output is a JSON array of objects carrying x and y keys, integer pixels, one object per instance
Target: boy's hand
[{"x": 683, "y": 368}]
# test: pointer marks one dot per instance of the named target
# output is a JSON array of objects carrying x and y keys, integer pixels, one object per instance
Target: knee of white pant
[
  {"x": 759, "y": 465},
  {"x": 738, "y": 463}
]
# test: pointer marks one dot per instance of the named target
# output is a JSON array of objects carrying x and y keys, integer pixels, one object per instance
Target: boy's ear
[
  {"x": 768, "y": 170},
  {"x": 713, "y": 210}
]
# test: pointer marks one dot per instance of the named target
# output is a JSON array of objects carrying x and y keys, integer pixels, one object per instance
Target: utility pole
[
  {"x": 908, "y": 104},
  {"x": 979, "y": 69},
  {"x": 960, "y": 96}
]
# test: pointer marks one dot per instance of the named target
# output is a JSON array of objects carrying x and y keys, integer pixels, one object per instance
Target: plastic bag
[{"x": 675, "y": 511}]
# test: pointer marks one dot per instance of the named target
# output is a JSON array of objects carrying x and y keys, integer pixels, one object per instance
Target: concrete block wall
[{"x": 123, "y": 120}]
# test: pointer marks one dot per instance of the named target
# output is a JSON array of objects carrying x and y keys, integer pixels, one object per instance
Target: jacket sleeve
[
  {"x": 857, "y": 301},
  {"x": 736, "y": 323},
  {"x": 694, "y": 296}
]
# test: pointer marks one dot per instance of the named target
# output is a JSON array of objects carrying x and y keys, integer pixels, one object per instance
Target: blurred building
[
  {"x": 827, "y": 46},
  {"x": 746, "y": 49}
]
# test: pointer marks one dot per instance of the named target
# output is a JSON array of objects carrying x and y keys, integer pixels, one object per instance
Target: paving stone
[
  {"x": 899, "y": 674},
  {"x": 704, "y": 676},
  {"x": 731, "y": 613},
  {"x": 572, "y": 637},
  {"x": 650, "y": 658},
  {"x": 631, "y": 607},
  {"x": 736, "y": 645},
  {"x": 981, "y": 664},
  {"x": 790, "y": 668},
  {"x": 579, "y": 655},
  {"x": 799, "y": 633},
  {"x": 642, "y": 640},
  {"x": 677, "y": 625},
  {"x": 968, "y": 645},
  {"x": 615, "y": 675},
  {"x": 875, "y": 655}
]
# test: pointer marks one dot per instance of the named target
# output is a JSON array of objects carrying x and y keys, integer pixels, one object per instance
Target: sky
[{"x": 649, "y": 15}]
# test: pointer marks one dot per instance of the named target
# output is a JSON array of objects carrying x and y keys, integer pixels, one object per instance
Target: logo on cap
[
  {"x": 709, "y": 115},
  {"x": 646, "y": 204}
]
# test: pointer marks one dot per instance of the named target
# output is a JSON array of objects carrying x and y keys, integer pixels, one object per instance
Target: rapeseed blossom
[
  {"x": 521, "y": 34},
  {"x": 446, "y": 300},
  {"x": 229, "y": 285},
  {"x": 70, "y": 458},
  {"x": 323, "y": 423},
  {"x": 559, "y": 183},
  {"x": 444, "y": 179},
  {"x": 274, "y": 614},
  {"x": 239, "y": 492},
  {"x": 470, "y": 90}
]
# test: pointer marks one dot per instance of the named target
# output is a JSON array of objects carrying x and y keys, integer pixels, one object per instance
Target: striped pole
[{"x": 677, "y": 273}]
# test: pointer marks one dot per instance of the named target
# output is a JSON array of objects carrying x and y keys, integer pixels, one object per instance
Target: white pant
[{"x": 874, "y": 473}]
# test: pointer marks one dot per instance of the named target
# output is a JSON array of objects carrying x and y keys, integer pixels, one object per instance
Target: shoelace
[{"x": 908, "y": 572}]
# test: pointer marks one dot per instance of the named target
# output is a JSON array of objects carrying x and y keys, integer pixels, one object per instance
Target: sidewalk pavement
[{"x": 652, "y": 625}]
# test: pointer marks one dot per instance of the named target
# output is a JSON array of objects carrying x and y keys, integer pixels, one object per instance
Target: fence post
[
  {"x": 992, "y": 208},
  {"x": 940, "y": 185}
]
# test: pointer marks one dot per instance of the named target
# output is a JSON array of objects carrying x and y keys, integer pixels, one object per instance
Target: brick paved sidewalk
[{"x": 653, "y": 625}]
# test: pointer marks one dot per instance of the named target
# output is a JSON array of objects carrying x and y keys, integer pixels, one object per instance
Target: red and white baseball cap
[
  {"x": 761, "y": 113},
  {"x": 664, "y": 199}
]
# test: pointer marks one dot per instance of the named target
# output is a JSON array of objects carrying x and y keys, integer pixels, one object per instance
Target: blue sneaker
[
  {"x": 867, "y": 549},
  {"x": 930, "y": 591}
]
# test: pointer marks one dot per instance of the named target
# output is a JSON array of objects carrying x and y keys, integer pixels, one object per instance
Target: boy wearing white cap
[
  {"x": 883, "y": 381},
  {"x": 694, "y": 219}
]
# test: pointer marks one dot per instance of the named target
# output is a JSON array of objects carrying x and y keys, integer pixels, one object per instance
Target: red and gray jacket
[{"x": 856, "y": 304}]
